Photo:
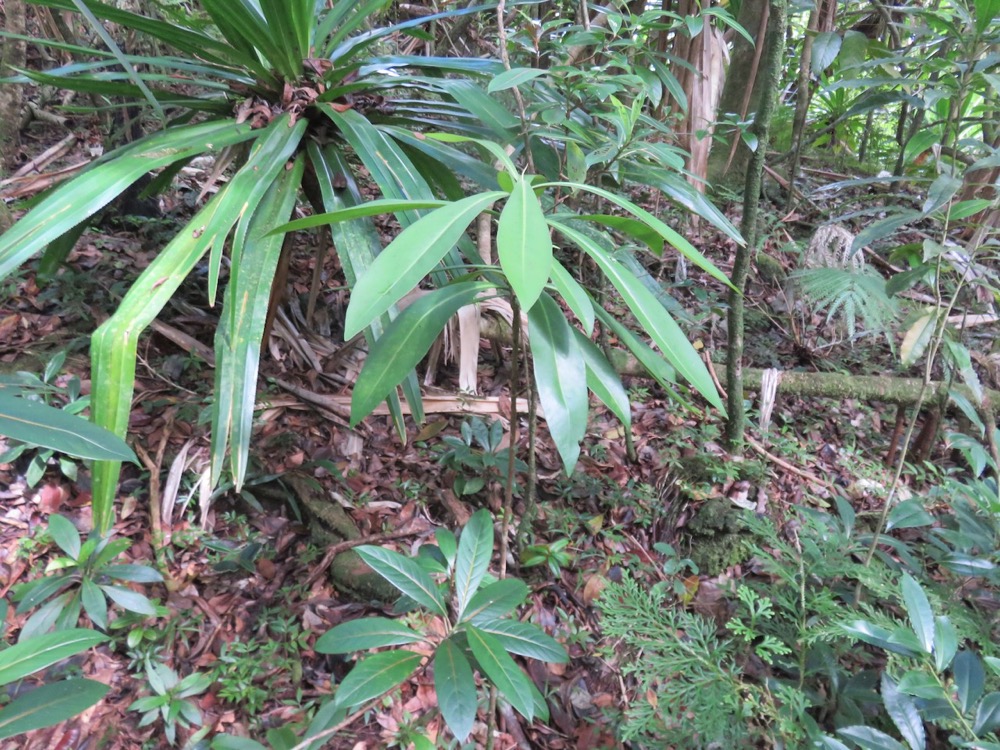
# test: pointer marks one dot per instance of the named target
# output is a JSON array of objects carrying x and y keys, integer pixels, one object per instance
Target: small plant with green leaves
[
  {"x": 82, "y": 578},
  {"x": 52, "y": 702},
  {"x": 555, "y": 555},
  {"x": 170, "y": 700},
  {"x": 449, "y": 582},
  {"x": 476, "y": 457},
  {"x": 29, "y": 418}
]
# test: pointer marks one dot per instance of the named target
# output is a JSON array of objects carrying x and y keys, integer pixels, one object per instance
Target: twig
[
  {"x": 47, "y": 156},
  {"x": 340, "y": 547},
  {"x": 337, "y": 727}
]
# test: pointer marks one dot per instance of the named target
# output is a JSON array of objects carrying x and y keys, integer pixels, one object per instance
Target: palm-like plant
[{"x": 281, "y": 90}]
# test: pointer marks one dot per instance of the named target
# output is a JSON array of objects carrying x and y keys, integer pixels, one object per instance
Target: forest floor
[{"x": 238, "y": 604}]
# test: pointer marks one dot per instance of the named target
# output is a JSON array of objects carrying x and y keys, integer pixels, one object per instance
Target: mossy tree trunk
[{"x": 767, "y": 83}]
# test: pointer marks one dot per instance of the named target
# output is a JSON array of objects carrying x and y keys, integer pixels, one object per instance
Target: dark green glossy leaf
[
  {"x": 456, "y": 689},
  {"x": 374, "y": 675},
  {"x": 406, "y": 575},
  {"x": 475, "y": 549},
  {"x": 525, "y": 639},
  {"x": 496, "y": 600},
  {"x": 524, "y": 246},
  {"x": 919, "y": 612},
  {"x": 65, "y": 535},
  {"x": 904, "y": 714},
  {"x": 34, "y": 654},
  {"x": 365, "y": 633},
  {"x": 501, "y": 670},
  {"x": 970, "y": 678},
  {"x": 871, "y": 739},
  {"x": 987, "y": 714},
  {"x": 48, "y": 705},
  {"x": 604, "y": 381}
]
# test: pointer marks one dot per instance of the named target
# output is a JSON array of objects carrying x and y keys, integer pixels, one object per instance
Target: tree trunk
[
  {"x": 767, "y": 86},
  {"x": 12, "y": 54}
]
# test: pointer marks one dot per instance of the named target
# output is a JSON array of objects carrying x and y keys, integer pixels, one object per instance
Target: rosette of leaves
[
  {"x": 285, "y": 95},
  {"x": 450, "y": 582},
  {"x": 82, "y": 578}
]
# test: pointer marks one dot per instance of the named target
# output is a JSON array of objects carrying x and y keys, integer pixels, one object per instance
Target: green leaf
[
  {"x": 497, "y": 600},
  {"x": 650, "y": 313},
  {"x": 919, "y": 612},
  {"x": 909, "y": 514},
  {"x": 372, "y": 208},
  {"x": 406, "y": 575},
  {"x": 524, "y": 246},
  {"x": 94, "y": 603},
  {"x": 238, "y": 338},
  {"x": 45, "y": 426},
  {"x": 97, "y": 186},
  {"x": 655, "y": 364},
  {"x": 405, "y": 342},
  {"x": 904, "y": 714},
  {"x": 879, "y": 636},
  {"x": 408, "y": 258},
  {"x": 917, "y": 338},
  {"x": 525, "y": 639},
  {"x": 921, "y": 685},
  {"x": 133, "y": 573},
  {"x": 986, "y": 11},
  {"x": 48, "y": 705},
  {"x": 455, "y": 688},
  {"x": 604, "y": 381},
  {"x": 825, "y": 47},
  {"x": 65, "y": 535},
  {"x": 969, "y": 678},
  {"x": 475, "y": 549},
  {"x": 940, "y": 192},
  {"x": 501, "y": 670},
  {"x": 34, "y": 654},
  {"x": 133, "y": 601},
  {"x": 987, "y": 714},
  {"x": 871, "y": 739},
  {"x": 374, "y": 675},
  {"x": 560, "y": 376},
  {"x": 513, "y": 78},
  {"x": 574, "y": 295},
  {"x": 230, "y": 742},
  {"x": 365, "y": 633},
  {"x": 945, "y": 642}
]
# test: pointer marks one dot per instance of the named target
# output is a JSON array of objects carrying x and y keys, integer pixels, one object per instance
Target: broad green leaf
[
  {"x": 945, "y": 642},
  {"x": 374, "y": 675},
  {"x": 604, "y": 381},
  {"x": 921, "y": 685},
  {"x": 871, "y": 739},
  {"x": 501, "y": 670},
  {"x": 40, "y": 590},
  {"x": 94, "y": 603},
  {"x": 657, "y": 367},
  {"x": 524, "y": 246},
  {"x": 330, "y": 714},
  {"x": 904, "y": 714},
  {"x": 365, "y": 633},
  {"x": 497, "y": 600},
  {"x": 650, "y": 313},
  {"x": 456, "y": 688},
  {"x": 410, "y": 257},
  {"x": 133, "y": 573},
  {"x": 406, "y": 575},
  {"x": 97, "y": 186},
  {"x": 475, "y": 549},
  {"x": 405, "y": 342},
  {"x": 513, "y": 78},
  {"x": 41, "y": 425},
  {"x": 34, "y": 654},
  {"x": 919, "y": 612},
  {"x": 825, "y": 47},
  {"x": 525, "y": 639},
  {"x": 969, "y": 678},
  {"x": 560, "y": 376},
  {"x": 133, "y": 601},
  {"x": 883, "y": 228},
  {"x": 917, "y": 338},
  {"x": 574, "y": 295},
  {"x": 986, "y": 11},
  {"x": 65, "y": 535},
  {"x": 879, "y": 636},
  {"x": 987, "y": 714},
  {"x": 239, "y": 335},
  {"x": 909, "y": 514},
  {"x": 231, "y": 742},
  {"x": 634, "y": 228},
  {"x": 48, "y": 705},
  {"x": 940, "y": 192}
]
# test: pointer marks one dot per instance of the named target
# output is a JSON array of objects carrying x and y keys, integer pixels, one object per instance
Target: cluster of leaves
[{"x": 169, "y": 701}]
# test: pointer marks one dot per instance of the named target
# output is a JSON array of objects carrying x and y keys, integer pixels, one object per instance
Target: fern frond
[{"x": 852, "y": 295}]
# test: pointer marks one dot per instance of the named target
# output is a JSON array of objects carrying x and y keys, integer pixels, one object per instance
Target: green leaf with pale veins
[{"x": 524, "y": 246}]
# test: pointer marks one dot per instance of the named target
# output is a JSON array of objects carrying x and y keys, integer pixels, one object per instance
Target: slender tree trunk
[
  {"x": 770, "y": 74},
  {"x": 11, "y": 56}
]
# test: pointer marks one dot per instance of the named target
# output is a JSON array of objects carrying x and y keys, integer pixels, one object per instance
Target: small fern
[{"x": 852, "y": 295}]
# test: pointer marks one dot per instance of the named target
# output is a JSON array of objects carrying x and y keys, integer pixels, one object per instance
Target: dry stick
[
  {"x": 337, "y": 727},
  {"x": 340, "y": 547}
]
